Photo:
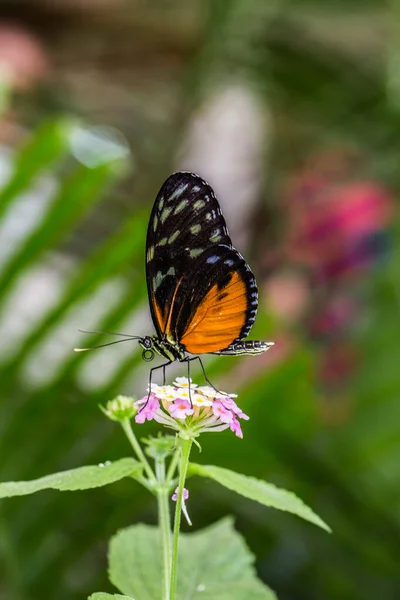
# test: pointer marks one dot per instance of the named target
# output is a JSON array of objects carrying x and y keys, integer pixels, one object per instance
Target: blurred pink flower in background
[
  {"x": 336, "y": 222},
  {"x": 23, "y": 59}
]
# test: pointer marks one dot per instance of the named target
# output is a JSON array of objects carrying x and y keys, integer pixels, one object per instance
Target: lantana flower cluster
[{"x": 190, "y": 409}]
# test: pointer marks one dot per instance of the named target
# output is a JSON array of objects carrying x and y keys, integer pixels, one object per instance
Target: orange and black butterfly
[{"x": 202, "y": 294}]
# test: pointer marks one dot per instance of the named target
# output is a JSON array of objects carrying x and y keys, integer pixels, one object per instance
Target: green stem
[
  {"x": 126, "y": 426},
  {"x": 164, "y": 520},
  {"x": 172, "y": 466},
  {"x": 186, "y": 446}
]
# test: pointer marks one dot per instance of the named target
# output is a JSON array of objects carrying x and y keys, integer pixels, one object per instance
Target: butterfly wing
[
  {"x": 219, "y": 302},
  {"x": 186, "y": 222}
]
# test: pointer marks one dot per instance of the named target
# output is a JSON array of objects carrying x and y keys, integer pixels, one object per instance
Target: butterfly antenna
[
  {"x": 127, "y": 335},
  {"x": 104, "y": 345}
]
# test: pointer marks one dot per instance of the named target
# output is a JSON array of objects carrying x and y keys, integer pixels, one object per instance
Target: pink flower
[
  {"x": 224, "y": 414},
  {"x": 180, "y": 409},
  {"x": 148, "y": 409},
  {"x": 185, "y": 494},
  {"x": 189, "y": 411},
  {"x": 235, "y": 427},
  {"x": 228, "y": 402},
  {"x": 231, "y": 405}
]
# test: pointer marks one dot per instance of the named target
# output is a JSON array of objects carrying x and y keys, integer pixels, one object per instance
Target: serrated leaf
[
  {"x": 213, "y": 563},
  {"x": 82, "y": 478},
  {"x": 104, "y": 596},
  {"x": 260, "y": 491}
]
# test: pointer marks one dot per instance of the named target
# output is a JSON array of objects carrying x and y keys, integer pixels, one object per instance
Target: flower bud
[{"x": 120, "y": 409}]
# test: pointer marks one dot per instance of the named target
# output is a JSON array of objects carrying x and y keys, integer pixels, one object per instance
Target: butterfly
[{"x": 202, "y": 294}]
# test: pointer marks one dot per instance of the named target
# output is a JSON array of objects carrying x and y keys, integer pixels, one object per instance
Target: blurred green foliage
[{"x": 55, "y": 545}]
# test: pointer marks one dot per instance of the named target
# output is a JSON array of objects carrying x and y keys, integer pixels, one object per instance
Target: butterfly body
[
  {"x": 173, "y": 351},
  {"x": 202, "y": 294}
]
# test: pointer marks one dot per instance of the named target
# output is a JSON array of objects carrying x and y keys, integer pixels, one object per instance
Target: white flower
[
  {"x": 212, "y": 393},
  {"x": 183, "y": 393},
  {"x": 166, "y": 392},
  {"x": 155, "y": 388},
  {"x": 184, "y": 382},
  {"x": 200, "y": 400},
  {"x": 208, "y": 391}
]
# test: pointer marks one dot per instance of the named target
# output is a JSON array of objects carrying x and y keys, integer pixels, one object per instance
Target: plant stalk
[
  {"x": 126, "y": 426},
  {"x": 172, "y": 466},
  {"x": 164, "y": 520},
  {"x": 186, "y": 446}
]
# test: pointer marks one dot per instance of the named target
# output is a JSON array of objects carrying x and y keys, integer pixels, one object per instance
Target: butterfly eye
[
  {"x": 148, "y": 355},
  {"x": 147, "y": 343}
]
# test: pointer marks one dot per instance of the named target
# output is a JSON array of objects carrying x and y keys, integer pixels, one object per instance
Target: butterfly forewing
[{"x": 186, "y": 220}]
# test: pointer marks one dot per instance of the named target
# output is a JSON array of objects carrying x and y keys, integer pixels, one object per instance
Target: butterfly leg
[
  {"x": 205, "y": 375},
  {"x": 150, "y": 378},
  {"x": 188, "y": 360},
  {"x": 190, "y": 390},
  {"x": 155, "y": 369}
]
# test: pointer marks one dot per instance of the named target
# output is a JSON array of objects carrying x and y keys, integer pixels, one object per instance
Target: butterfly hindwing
[
  {"x": 219, "y": 302},
  {"x": 185, "y": 222}
]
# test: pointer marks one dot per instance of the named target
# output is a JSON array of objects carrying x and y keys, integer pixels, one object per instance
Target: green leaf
[
  {"x": 214, "y": 563},
  {"x": 241, "y": 590},
  {"x": 104, "y": 596},
  {"x": 109, "y": 259},
  {"x": 76, "y": 195},
  {"x": 135, "y": 562},
  {"x": 83, "y": 478},
  {"x": 48, "y": 144},
  {"x": 258, "y": 490}
]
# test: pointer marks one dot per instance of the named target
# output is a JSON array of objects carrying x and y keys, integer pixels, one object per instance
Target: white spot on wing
[
  {"x": 157, "y": 280},
  {"x": 173, "y": 237},
  {"x": 215, "y": 236},
  {"x": 199, "y": 204},
  {"x": 159, "y": 277},
  {"x": 150, "y": 253},
  {"x": 195, "y": 228},
  {"x": 212, "y": 259},
  {"x": 180, "y": 207},
  {"x": 178, "y": 192},
  {"x": 165, "y": 214},
  {"x": 195, "y": 252}
]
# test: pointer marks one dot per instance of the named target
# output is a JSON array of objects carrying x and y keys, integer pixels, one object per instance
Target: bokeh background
[{"x": 291, "y": 109}]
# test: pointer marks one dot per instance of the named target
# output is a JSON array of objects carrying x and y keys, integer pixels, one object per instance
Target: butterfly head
[{"x": 148, "y": 348}]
